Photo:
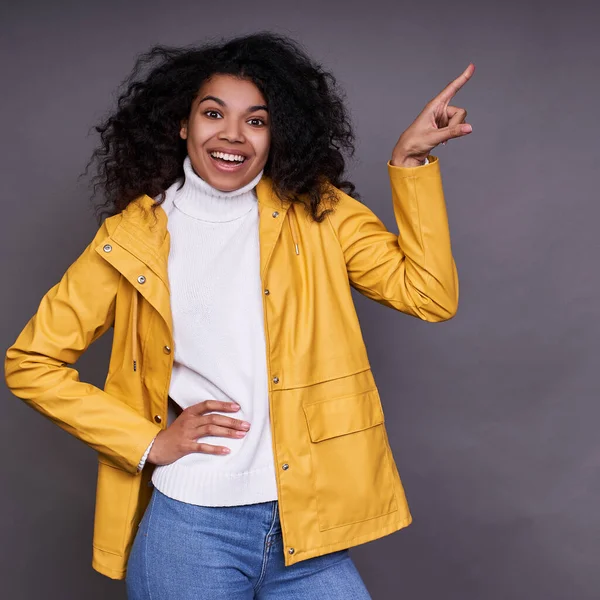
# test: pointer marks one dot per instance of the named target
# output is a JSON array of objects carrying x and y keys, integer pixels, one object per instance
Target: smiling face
[{"x": 228, "y": 116}]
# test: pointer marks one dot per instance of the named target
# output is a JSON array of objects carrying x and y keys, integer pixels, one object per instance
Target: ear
[{"x": 183, "y": 131}]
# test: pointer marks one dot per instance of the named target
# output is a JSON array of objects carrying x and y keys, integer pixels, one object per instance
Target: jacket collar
[
  {"x": 149, "y": 241},
  {"x": 145, "y": 237}
]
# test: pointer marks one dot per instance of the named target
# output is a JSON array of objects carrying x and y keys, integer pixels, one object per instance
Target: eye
[
  {"x": 211, "y": 111},
  {"x": 258, "y": 119}
]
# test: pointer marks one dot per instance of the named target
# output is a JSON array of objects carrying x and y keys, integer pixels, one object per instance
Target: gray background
[{"x": 493, "y": 415}]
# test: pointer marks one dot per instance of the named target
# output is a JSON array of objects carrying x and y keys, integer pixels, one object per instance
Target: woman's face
[{"x": 229, "y": 115}]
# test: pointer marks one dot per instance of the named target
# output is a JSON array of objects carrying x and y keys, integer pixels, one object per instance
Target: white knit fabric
[{"x": 220, "y": 347}]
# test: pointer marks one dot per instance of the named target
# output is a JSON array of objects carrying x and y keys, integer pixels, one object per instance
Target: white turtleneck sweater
[{"x": 220, "y": 348}]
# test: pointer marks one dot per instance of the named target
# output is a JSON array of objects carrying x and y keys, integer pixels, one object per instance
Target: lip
[
  {"x": 228, "y": 151},
  {"x": 227, "y": 168}
]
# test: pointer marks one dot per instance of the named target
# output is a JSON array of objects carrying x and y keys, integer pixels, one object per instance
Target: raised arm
[{"x": 413, "y": 271}]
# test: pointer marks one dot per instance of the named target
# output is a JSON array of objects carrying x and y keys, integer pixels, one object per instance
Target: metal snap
[
  {"x": 275, "y": 379},
  {"x": 285, "y": 466},
  {"x": 267, "y": 292},
  {"x": 275, "y": 214},
  {"x": 141, "y": 279},
  {"x": 158, "y": 418},
  {"x": 107, "y": 248},
  {"x": 167, "y": 349},
  {"x": 291, "y": 550}
]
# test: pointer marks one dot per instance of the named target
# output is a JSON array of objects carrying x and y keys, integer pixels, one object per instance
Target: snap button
[
  {"x": 276, "y": 379},
  {"x": 167, "y": 349},
  {"x": 158, "y": 418},
  {"x": 285, "y": 466},
  {"x": 267, "y": 292},
  {"x": 275, "y": 214},
  {"x": 107, "y": 248},
  {"x": 291, "y": 551},
  {"x": 141, "y": 279}
]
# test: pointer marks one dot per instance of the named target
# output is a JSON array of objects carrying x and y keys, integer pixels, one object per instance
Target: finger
[
  {"x": 208, "y": 449},
  {"x": 442, "y": 119},
  {"x": 211, "y": 429},
  {"x": 448, "y": 92},
  {"x": 209, "y": 405},
  {"x": 457, "y": 115},
  {"x": 439, "y": 136},
  {"x": 223, "y": 421}
]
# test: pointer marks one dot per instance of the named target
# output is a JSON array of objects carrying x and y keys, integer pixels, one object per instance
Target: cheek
[
  {"x": 263, "y": 145},
  {"x": 199, "y": 134}
]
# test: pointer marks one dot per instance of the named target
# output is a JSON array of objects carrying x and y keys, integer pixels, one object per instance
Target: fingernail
[
  {"x": 467, "y": 129},
  {"x": 235, "y": 405}
]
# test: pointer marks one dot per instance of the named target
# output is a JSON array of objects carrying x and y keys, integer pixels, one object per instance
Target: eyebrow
[{"x": 222, "y": 103}]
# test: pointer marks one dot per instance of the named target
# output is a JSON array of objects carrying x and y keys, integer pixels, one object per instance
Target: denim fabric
[{"x": 183, "y": 552}]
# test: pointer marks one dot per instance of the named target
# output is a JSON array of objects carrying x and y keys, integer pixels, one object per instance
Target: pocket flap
[{"x": 337, "y": 416}]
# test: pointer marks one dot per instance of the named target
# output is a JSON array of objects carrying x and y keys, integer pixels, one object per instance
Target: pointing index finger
[{"x": 448, "y": 92}]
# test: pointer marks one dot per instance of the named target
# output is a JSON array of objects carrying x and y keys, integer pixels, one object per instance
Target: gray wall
[{"x": 493, "y": 415}]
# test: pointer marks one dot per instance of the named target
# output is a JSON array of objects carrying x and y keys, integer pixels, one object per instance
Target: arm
[
  {"x": 413, "y": 271},
  {"x": 71, "y": 315}
]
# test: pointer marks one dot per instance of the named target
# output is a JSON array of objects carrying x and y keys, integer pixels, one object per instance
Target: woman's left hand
[{"x": 437, "y": 123}]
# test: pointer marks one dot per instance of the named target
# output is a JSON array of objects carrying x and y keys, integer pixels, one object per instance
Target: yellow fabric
[{"x": 338, "y": 485}]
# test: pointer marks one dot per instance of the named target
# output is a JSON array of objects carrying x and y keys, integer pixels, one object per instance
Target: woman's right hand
[{"x": 179, "y": 438}]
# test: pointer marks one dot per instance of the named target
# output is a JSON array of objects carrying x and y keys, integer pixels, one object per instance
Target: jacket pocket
[{"x": 351, "y": 464}]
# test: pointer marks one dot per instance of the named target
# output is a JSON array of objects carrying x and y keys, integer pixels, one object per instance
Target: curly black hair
[{"x": 141, "y": 152}]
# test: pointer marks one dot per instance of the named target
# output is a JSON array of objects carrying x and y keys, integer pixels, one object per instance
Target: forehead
[{"x": 235, "y": 92}]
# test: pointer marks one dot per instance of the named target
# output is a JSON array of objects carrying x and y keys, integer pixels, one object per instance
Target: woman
[{"x": 231, "y": 231}]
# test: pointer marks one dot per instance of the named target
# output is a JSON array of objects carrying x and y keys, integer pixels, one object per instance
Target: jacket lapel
[
  {"x": 269, "y": 223},
  {"x": 142, "y": 248}
]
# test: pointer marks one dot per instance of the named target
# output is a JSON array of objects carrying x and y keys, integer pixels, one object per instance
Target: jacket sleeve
[
  {"x": 71, "y": 315},
  {"x": 412, "y": 271}
]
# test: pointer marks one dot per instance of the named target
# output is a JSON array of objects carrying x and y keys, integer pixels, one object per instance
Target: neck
[{"x": 200, "y": 200}]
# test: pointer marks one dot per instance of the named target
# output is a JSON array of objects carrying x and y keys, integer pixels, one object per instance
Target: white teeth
[{"x": 232, "y": 157}]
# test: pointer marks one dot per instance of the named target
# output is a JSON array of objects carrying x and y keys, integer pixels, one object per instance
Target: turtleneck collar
[{"x": 200, "y": 200}]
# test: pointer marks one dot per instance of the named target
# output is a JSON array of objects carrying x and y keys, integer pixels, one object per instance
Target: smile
[{"x": 227, "y": 163}]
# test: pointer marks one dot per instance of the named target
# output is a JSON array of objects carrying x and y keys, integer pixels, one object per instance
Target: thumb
[{"x": 452, "y": 131}]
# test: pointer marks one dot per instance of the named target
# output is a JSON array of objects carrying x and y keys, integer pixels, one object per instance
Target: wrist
[
  {"x": 406, "y": 161},
  {"x": 151, "y": 451}
]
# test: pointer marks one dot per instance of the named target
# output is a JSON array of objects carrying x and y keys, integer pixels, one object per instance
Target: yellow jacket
[{"x": 337, "y": 481}]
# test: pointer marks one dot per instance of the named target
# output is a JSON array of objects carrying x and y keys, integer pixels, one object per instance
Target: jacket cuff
[
  {"x": 431, "y": 163},
  {"x": 145, "y": 456}
]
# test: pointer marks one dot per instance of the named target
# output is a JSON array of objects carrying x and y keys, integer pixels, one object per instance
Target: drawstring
[
  {"x": 292, "y": 222},
  {"x": 134, "y": 311}
]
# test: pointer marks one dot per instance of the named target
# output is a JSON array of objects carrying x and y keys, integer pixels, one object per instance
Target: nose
[{"x": 231, "y": 131}]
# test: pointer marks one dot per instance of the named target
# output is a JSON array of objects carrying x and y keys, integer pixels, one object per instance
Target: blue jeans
[{"x": 182, "y": 552}]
